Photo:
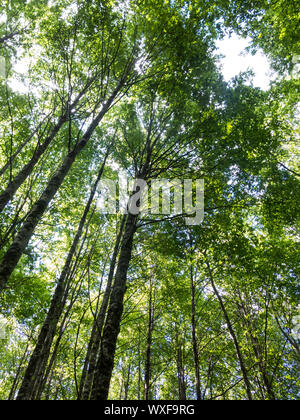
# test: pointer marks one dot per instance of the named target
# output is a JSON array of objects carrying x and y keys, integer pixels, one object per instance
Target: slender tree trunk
[
  {"x": 87, "y": 378},
  {"x": 180, "y": 370},
  {"x": 7, "y": 195},
  {"x": 262, "y": 368},
  {"x": 233, "y": 336},
  {"x": 48, "y": 386},
  {"x": 40, "y": 356},
  {"x": 139, "y": 367},
  {"x": 194, "y": 337},
  {"x": 258, "y": 353},
  {"x": 17, "y": 377},
  {"x": 127, "y": 382},
  {"x": 16, "y": 250},
  {"x": 50, "y": 366},
  {"x": 113, "y": 320},
  {"x": 112, "y": 325},
  {"x": 147, "y": 386},
  {"x": 20, "y": 148}
]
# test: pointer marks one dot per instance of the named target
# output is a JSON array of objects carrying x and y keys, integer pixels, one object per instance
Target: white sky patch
[
  {"x": 21, "y": 68},
  {"x": 237, "y": 60},
  {"x": 3, "y": 18}
]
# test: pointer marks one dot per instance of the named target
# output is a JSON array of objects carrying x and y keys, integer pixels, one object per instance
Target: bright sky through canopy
[{"x": 236, "y": 60}]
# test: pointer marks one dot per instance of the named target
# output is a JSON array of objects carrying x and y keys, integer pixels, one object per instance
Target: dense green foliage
[{"x": 182, "y": 312}]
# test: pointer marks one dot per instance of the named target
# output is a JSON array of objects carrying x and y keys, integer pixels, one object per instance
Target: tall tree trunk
[
  {"x": 113, "y": 320},
  {"x": 233, "y": 335},
  {"x": 180, "y": 370},
  {"x": 139, "y": 367},
  {"x": 257, "y": 350},
  {"x": 112, "y": 325},
  {"x": 19, "y": 371},
  {"x": 21, "y": 147},
  {"x": 40, "y": 356},
  {"x": 127, "y": 382},
  {"x": 27, "y": 169},
  {"x": 16, "y": 250},
  {"x": 50, "y": 366},
  {"x": 194, "y": 337},
  {"x": 87, "y": 378},
  {"x": 147, "y": 385}
]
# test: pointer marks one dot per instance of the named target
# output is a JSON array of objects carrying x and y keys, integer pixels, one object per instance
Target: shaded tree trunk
[
  {"x": 21, "y": 147},
  {"x": 233, "y": 335},
  {"x": 87, "y": 378},
  {"x": 39, "y": 359},
  {"x": 194, "y": 337},
  {"x": 127, "y": 382},
  {"x": 180, "y": 370},
  {"x": 113, "y": 320},
  {"x": 257, "y": 351},
  {"x": 147, "y": 385},
  {"x": 18, "y": 374},
  {"x": 27, "y": 169},
  {"x": 139, "y": 367}
]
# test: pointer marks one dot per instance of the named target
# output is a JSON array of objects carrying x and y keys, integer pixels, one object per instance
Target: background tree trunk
[
  {"x": 39, "y": 359},
  {"x": 112, "y": 325}
]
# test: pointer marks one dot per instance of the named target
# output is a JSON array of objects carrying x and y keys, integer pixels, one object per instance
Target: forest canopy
[{"x": 157, "y": 305}]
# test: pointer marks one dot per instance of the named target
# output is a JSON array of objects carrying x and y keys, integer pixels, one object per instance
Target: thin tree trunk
[
  {"x": 147, "y": 386},
  {"x": 194, "y": 338},
  {"x": 16, "y": 250},
  {"x": 17, "y": 377},
  {"x": 112, "y": 325},
  {"x": 7, "y": 195},
  {"x": 139, "y": 367},
  {"x": 44, "y": 379},
  {"x": 20, "y": 148},
  {"x": 48, "y": 386},
  {"x": 127, "y": 383},
  {"x": 257, "y": 352},
  {"x": 40, "y": 356},
  {"x": 87, "y": 378},
  {"x": 233, "y": 335},
  {"x": 180, "y": 370}
]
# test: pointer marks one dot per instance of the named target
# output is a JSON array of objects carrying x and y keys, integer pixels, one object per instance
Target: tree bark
[
  {"x": 233, "y": 336},
  {"x": 112, "y": 325},
  {"x": 39, "y": 359},
  {"x": 19, "y": 371},
  {"x": 180, "y": 370},
  {"x": 87, "y": 378},
  {"x": 27, "y": 169},
  {"x": 21, "y": 147},
  {"x": 257, "y": 352},
  {"x": 127, "y": 382},
  {"x": 147, "y": 386},
  {"x": 194, "y": 337}
]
